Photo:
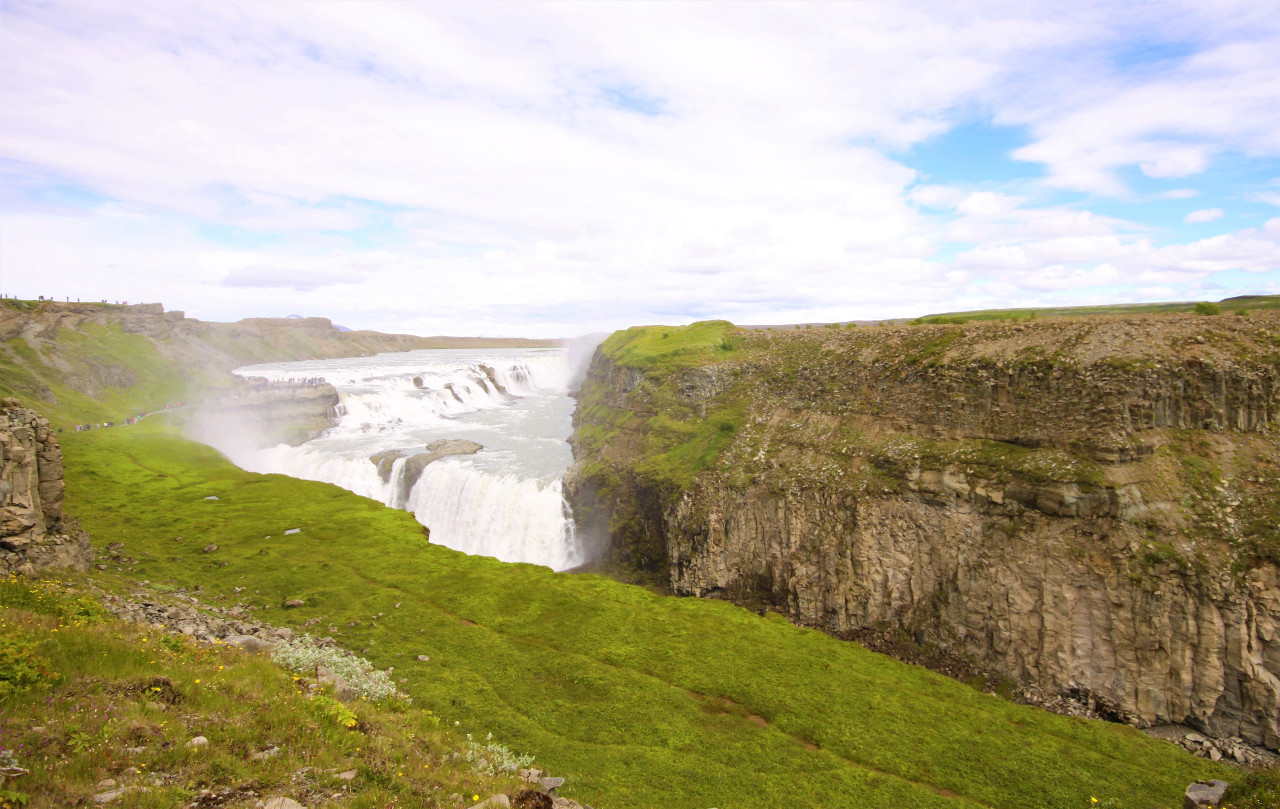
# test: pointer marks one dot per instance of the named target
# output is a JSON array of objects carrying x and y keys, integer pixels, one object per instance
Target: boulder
[
  {"x": 550, "y": 785},
  {"x": 1205, "y": 793},
  {"x": 342, "y": 690},
  {"x": 248, "y": 642}
]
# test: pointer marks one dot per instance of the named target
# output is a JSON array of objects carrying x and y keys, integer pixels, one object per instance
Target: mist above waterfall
[{"x": 503, "y": 501}]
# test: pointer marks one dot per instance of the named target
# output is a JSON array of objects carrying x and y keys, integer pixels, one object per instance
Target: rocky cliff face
[
  {"x": 33, "y": 535},
  {"x": 1087, "y": 506},
  {"x": 254, "y": 419}
]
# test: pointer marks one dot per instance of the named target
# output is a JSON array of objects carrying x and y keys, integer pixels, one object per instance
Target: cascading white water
[{"x": 504, "y": 501}]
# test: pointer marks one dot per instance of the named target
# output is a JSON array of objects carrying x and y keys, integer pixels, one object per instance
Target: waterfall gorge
[{"x": 501, "y": 499}]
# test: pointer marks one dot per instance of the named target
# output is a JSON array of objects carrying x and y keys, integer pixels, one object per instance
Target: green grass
[
  {"x": 618, "y": 688},
  {"x": 664, "y": 348},
  {"x": 105, "y": 686}
]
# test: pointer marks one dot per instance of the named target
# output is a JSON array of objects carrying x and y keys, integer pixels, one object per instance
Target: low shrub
[
  {"x": 492, "y": 758},
  {"x": 303, "y": 653}
]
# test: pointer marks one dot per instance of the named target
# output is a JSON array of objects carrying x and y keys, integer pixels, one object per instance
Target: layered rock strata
[
  {"x": 1088, "y": 507},
  {"x": 254, "y": 419},
  {"x": 33, "y": 535}
]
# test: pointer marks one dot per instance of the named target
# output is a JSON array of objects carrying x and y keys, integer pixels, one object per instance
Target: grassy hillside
[
  {"x": 95, "y": 373},
  {"x": 641, "y": 700},
  {"x": 91, "y": 362},
  {"x": 83, "y": 699}
]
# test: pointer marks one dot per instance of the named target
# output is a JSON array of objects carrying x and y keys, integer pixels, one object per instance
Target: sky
[{"x": 552, "y": 169}]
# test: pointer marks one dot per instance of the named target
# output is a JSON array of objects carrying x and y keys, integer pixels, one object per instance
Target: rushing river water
[{"x": 504, "y": 501}]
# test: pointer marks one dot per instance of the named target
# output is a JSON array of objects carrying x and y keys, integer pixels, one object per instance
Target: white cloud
[
  {"x": 1204, "y": 215},
  {"x": 936, "y": 196},
  {"x": 549, "y": 168}
]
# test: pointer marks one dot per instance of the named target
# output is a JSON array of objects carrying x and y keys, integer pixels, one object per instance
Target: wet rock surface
[{"x": 416, "y": 461}]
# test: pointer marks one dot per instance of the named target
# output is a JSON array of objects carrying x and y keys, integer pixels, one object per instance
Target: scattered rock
[
  {"x": 282, "y": 803},
  {"x": 210, "y": 548},
  {"x": 531, "y": 775},
  {"x": 107, "y": 797},
  {"x": 1205, "y": 793},
  {"x": 293, "y": 531},
  {"x": 289, "y": 603},
  {"x": 347, "y": 775},
  {"x": 263, "y": 755},
  {"x": 212, "y": 497},
  {"x": 197, "y": 742},
  {"x": 423, "y": 659},
  {"x": 494, "y": 801},
  {"x": 106, "y": 783}
]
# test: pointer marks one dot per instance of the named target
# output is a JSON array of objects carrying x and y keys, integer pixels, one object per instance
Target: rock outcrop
[
  {"x": 33, "y": 534},
  {"x": 257, "y": 418},
  {"x": 1090, "y": 507},
  {"x": 416, "y": 461}
]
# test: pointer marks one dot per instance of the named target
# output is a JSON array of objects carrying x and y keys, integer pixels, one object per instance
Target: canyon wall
[
  {"x": 33, "y": 534},
  {"x": 1087, "y": 506},
  {"x": 253, "y": 419}
]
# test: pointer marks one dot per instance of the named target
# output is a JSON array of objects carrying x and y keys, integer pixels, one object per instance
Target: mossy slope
[{"x": 643, "y": 700}]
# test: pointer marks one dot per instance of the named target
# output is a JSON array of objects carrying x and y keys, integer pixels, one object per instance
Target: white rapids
[{"x": 504, "y": 501}]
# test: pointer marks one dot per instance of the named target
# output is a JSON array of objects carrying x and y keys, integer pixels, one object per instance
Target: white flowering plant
[{"x": 304, "y": 652}]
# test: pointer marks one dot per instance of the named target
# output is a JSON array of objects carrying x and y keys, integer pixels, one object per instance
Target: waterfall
[{"x": 503, "y": 501}]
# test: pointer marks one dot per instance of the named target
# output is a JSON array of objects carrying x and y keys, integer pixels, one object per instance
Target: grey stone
[
  {"x": 423, "y": 659},
  {"x": 347, "y": 775},
  {"x": 1205, "y": 793},
  {"x": 494, "y": 801},
  {"x": 294, "y": 602},
  {"x": 282, "y": 803},
  {"x": 197, "y": 742},
  {"x": 341, "y": 689},
  {"x": 550, "y": 785},
  {"x": 248, "y": 642}
]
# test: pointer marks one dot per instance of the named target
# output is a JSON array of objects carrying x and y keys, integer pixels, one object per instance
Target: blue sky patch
[{"x": 973, "y": 153}]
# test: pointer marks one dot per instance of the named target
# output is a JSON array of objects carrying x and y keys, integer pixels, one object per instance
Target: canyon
[{"x": 1087, "y": 506}]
